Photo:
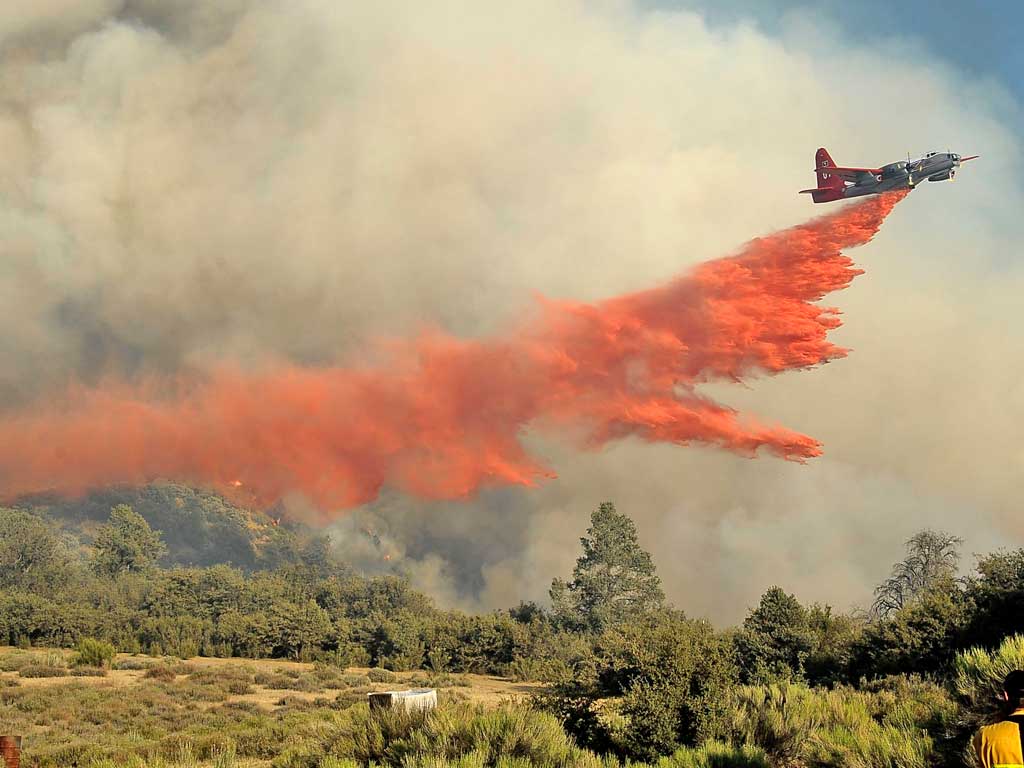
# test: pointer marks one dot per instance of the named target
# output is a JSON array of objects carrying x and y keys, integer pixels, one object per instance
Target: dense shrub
[
  {"x": 669, "y": 676},
  {"x": 162, "y": 672},
  {"x": 81, "y": 671},
  {"x": 846, "y": 728},
  {"x": 507, "y": 731},
  {"x": 42, "y": 670},
  {"x": 239, "y": 688},
  {"x": 377, "y": 675},
  {"x": 135, "y": 663},
  {"x": 920, "y": 638},
  {"x": 453, "y": 735},
  {"x": 93, "y": 653},
  {"x": 715, "y": 754},
  {"x": 979, "y": 675},
  {"x": 997, "y": 598},
  {"x": 17, "y": 660}
]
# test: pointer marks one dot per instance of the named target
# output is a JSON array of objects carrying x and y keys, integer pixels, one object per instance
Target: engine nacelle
[
  {"x": 893, "y": 170},
  {"x": 940, "y": 177}
]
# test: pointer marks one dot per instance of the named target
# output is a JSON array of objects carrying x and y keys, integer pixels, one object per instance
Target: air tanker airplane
[{"x": 837, "y": 183}]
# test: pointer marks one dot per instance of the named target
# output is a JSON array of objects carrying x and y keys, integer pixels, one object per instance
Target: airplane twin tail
[{"x": 830, "y": 187}]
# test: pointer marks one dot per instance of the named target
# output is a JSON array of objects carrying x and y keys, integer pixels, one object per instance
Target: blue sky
[{"x": 979, "y": 38}]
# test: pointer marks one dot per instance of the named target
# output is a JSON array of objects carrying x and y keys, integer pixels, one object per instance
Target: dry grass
[
  {"x": 269, "y": 679},
  {"x": 140, "y": 697},
  {"x": 227, "y": 714},
  {"x": 143, "y": 704}
]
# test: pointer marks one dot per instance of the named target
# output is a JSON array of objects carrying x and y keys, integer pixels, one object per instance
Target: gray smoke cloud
[{"x": 184, "y": 184}]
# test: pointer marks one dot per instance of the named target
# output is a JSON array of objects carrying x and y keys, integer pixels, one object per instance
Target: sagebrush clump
[{"x": 90, "y": 652}]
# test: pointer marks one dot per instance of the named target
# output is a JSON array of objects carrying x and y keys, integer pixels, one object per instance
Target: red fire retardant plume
[{"x": 442, "y": 417}]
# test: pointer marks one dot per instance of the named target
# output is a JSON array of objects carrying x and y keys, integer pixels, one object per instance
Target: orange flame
[{"x": 442, "y": 417}]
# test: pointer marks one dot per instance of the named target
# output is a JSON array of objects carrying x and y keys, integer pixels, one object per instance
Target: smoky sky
[{"x": 254, "y": 182}]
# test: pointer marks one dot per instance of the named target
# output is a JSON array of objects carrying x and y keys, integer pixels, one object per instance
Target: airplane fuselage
[
  {"x": 935, "y": 166},
  {"x": 838, "y": 182}
]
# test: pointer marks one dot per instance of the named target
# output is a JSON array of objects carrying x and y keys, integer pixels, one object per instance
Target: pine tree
[
  {"x": 613, "y": 581},
  {"x": 776, "y": 639}
]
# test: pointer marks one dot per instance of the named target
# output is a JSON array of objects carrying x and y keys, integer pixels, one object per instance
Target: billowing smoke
[
  {"x": 440, "y": 418},
  {"x": 198, "y": 192}
]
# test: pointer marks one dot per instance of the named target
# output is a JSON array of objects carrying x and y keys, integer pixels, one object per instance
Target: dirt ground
[{"x": 482, "y": 689}]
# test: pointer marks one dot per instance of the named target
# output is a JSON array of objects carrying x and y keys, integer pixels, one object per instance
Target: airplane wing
[{"x": 849, "y": 174}]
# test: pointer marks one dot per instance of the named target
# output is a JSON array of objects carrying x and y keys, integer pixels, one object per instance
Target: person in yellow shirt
[{"x": 1002, "y": 745}]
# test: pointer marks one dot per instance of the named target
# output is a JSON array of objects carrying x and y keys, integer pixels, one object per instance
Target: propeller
[{"x": 958, "y": 162}]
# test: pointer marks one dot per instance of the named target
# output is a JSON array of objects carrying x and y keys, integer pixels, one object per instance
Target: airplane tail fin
[
  {"x": 830, "y": 187},
  {"x": 822, "y": 162}
]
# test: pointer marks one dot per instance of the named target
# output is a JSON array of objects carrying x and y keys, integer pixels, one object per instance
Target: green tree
[
  {"x": 201, "y": 592},
  {"x": 650, "y": 685},
  {"x": 776, "y": 638},
  {"x": 395, "y": 643},
  {"x": 835, "y": 637},
  {"x": 315, "y": 554},
  {"x": 614, "y": 580},
  {"x": 678, "y": 675},
  {"x": 997, "y": 598},
  {"x": 248, "y": 635},
  {"x": 297, "y": 630},
  {"x": 30, "y": 553},
  {"x": 921, "y": 638},
  {"x": 126, "y": 543}
]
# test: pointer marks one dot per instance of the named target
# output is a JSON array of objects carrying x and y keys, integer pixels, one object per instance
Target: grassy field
[{"x": 225, "y": 712}]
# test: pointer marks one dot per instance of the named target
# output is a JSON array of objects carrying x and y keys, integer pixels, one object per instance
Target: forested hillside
[
  {"x": 198, "y": 528},
  {"x": 628, "y": 675}
]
